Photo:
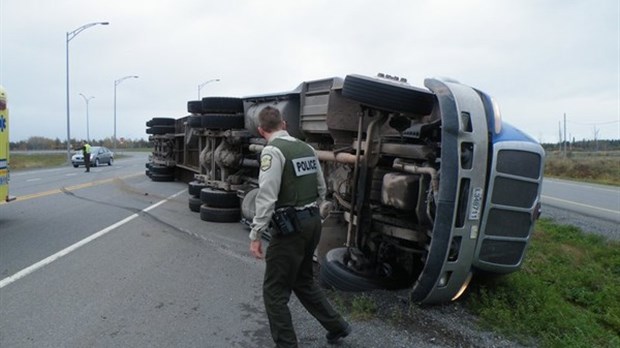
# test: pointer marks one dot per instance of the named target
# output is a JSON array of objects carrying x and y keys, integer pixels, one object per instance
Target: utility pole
[
  {"x": 565, "y": 145},
  {"x": 560, "y": 137},
  {"x": 596, "y": 138}
]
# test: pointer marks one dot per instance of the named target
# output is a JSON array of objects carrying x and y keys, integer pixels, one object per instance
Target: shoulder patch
[{"x": 265, "y": 162}]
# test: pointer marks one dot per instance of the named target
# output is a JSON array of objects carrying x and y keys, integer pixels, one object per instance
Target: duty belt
[{"x": 307, "y": 213}]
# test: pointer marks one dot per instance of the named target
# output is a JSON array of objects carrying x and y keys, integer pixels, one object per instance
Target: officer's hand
[{"x": 256, "y": 247}]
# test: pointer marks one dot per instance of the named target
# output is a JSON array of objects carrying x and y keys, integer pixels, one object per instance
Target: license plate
[{"x": 476, "y": 204}]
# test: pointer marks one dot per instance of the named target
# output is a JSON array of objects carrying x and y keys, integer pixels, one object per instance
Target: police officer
[
  {"x": 290, "y": 177},
  {"x": 86, "y": 154}
]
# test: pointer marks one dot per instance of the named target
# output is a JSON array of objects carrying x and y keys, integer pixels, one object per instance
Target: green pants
[{"x": 289, "y": 268}]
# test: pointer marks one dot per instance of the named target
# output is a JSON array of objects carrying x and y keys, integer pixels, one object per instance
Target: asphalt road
[
  {"x": 590, "y": 199},
  {"x": 145, "y": 272},
  {"x": 593, "y": 208},
  {"x": 112, "y": 259}
]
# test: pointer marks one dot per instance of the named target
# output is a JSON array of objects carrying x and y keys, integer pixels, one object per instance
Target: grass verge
[
  {"x": 566, "y": 295},
  {"x": 590, "y": 167},
  {"x": 35, "y": 161}
]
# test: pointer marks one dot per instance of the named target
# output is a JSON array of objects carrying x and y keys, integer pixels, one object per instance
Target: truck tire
[
  {"x": 194, "y": 188},
  {"x": 195, "y": 107},
  {"x": 219, "y": 199},
  {"x": 160, "y": 121},
  {"x": 161, "y": 170},
  {"x": 194, "y": 204},
  {"x": 217, "y": 121},
  {"x": 223, "y": 121},
  {"x": 222, "y": 105},
  {"x": 162, "y": 177},
  {"x": 159, "y": 130},
  {"x": 194, "y": 121},
  {"x": 214, "y": 214},
  {"x": 248, "y": 205},
  {"x": 388, "y": 95},
  {"x": 334, "y": 274}
]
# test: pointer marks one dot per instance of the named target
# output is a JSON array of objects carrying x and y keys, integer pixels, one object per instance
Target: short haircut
[{"x": 270, "y": 119}]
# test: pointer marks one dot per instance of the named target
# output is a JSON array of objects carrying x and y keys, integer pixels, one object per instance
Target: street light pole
[
  {"x": 116, "y": 83},
  {"x": 69, "y": 37},
  {"x": 204, "y": 84},
  {"x": 86, "y": 100}
]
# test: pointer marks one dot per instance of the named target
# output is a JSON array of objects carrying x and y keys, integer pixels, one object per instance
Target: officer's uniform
[
  {"x": 291, "y": 176},
  {"x": 86, "y": 154}
]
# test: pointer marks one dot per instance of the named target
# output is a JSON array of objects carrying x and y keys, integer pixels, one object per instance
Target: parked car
[{"x": 98, "y": 155}]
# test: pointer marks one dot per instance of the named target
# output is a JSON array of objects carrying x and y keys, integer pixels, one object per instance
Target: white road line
[
  {"x": 72, "y": 174},
  {"x": 581, "y": 205},
  {"x": 34, "y": 179},
  {"x": 26, "y": 271},
  {"x": 35, "y": 171}
]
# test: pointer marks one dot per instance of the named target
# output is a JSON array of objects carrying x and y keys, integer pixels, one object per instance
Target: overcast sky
[{"x": 539, "y": 59}]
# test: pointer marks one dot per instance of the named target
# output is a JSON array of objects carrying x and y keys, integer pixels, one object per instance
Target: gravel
[
  {"x": 587, "y": 224},
  {"x": 396, "y": 324}
]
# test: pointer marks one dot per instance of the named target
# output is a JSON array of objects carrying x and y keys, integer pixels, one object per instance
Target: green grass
[
  {"x": 357, "y": 306},
  {"x": 363, "y": 307},
  {"x": 35, "y": 161},
  {"x": 566, "y": 295}
]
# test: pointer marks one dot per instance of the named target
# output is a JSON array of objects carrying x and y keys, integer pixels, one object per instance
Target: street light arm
[
  {"x": 72, "y": 34},
  {"x": 86, "y": 99},
  {"x": 204, "y": 84},
  {"x": 118, "y": 82}
]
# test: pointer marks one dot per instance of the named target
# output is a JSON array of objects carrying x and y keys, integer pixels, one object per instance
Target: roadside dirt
[{"x": 396, "y": 323}]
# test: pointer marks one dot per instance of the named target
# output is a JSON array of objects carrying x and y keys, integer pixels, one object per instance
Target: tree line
[
  {"x": 42, "y": 143},
  {"x": 585, "y": 145}
]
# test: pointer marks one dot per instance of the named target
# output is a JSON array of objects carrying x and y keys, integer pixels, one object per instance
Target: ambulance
[{"x": 4, "y": 148}]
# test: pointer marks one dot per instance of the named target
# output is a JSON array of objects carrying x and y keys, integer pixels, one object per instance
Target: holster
[{"x": 285, "y": 222}]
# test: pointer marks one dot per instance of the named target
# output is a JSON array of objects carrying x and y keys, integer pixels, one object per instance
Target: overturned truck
[{"x": 427, "y": 188}]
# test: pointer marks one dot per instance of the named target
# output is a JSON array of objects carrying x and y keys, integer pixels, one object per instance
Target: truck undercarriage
[{"x": 426, "y": 187}]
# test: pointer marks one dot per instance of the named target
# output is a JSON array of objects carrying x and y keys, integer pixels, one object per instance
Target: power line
[{"x": 593, "y": 123}]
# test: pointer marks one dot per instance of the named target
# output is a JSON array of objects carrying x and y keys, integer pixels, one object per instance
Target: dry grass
[
  {"x": 599, "y": 167},
  {"x": 35, "y": 161}
]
